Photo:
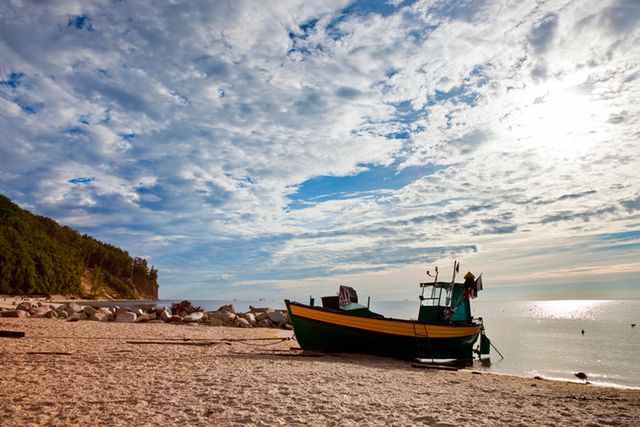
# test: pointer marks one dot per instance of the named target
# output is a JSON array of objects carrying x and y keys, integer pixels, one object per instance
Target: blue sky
[{"x": 279, "y": 149}]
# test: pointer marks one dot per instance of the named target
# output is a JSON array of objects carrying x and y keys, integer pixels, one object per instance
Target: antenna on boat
[{"x": 435, "y": 280}]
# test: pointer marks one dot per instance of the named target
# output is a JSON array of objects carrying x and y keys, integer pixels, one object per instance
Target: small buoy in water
[
  {"x": 633, "y": 325},
  {"x": 582, "y": 376},
  {"x": 583, "y": 332}
]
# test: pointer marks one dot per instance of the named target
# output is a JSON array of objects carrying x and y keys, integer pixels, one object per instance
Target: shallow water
[{"x": 543, "y": 338}]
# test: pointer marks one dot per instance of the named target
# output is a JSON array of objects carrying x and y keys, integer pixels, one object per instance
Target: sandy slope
[{"x": 104, "y": 380}]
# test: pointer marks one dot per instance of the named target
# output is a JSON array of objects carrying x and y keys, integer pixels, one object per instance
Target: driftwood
[
  {"x": 55, "y": 353},
  {"x": 303, "y": 354},
  {"x": 167, "y": 342},
  {"x": 12, "y": 334}
]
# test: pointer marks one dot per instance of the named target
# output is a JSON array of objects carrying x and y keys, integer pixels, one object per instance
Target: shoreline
[
  {"x": 10, "y": 302},
  {"x": 95, "y": 372}
]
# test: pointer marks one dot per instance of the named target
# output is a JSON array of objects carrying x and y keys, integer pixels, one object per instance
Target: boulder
[
  {"x": 264, "y": 314},
  {"x": 251, "y": 318},
  {"x": 22, "y": 314},
  {"x": 264, "y": 323},
  {"x": 276, "y": 317},
  {"x": 165, "y": 315},
  {"x": 51, "y": 314},
  {"x": 175, "y": 319},
  {"x": 226, "y": 316},
  {"x": 119, "y": 310},
  {"x": 126, "y": 317},
  {"x": 183, "y": 308},
  {"x": 193, "y": 317},
  {"x": 228, "y": 308},
  {"x": 109, "y": 314},
  {"x": 39, "y": 311},
  {"x": 258, "y": 309},
  {"x": 24, "y": 305},
  {"x": 98, "y": 316},
  {"x": 215, "y": 321},
  {"x": 88, "y": 310},
  {"x": 62, "y": 314},
  {"x": 143, "y": 318},
  {"x": 241, "y": 322},
  {"x": 76, "y": 316},
  {"x": 71, "y": 308}
]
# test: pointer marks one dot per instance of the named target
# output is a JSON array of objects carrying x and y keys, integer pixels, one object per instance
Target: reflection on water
[
  {"x": 544, "y": 338},
  {"x": 568, "y": 309}
]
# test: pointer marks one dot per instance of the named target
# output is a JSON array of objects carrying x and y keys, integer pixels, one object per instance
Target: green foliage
[{"x": 38, "y": 256}]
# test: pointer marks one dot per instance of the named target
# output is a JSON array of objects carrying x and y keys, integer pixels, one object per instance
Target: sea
[{"x": 538, "y": 338}]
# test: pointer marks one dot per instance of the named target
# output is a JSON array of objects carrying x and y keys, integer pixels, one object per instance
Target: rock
[
  {"x": 76, "y": 316},
  {"x": 62, "y": 314},
  {"x": 287, "y": 326},
  {"x": 98, "y": 316},
  {"x": 165, "y": 315},
  {"x": 71, "y": 308},
  {"x": 276, "y": 317},
  {"x": 241, "y": 322},
  {"x": 175, "y": 319},
  {"x": 22, "y": 314},
  {"x": 215, "y": 321},
  {"x": 264, "y": 314},
  {"x": 126, "y": 317},
  {"x": 257, "y": 309},
  {"x": 88, "y": 310},
  {"x": 264, "y": 323},
  {"x": 109, "y": 314},
  {"x": 51, "y": 314},
  {"x": 226, "y": 316},
  {"x": 228, "y": 308},
  {"x": 251, "y": 318},
  {"x": 39, "y": 311},
  {"x": 183, "y": 308},
  {"x": 143, "y": 318},
  {"x": 24, "y": 306},
  {"x": 193, "y": 317}
]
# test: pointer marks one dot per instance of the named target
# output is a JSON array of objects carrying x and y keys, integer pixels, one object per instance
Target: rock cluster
[{"x": 182, "y": 312}]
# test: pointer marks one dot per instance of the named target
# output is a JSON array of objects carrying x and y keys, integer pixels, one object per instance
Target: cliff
[{"x": 39, "y": 256}]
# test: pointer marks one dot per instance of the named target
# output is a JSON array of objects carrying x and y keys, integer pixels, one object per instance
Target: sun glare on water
[{"x": 568, "y": 309}]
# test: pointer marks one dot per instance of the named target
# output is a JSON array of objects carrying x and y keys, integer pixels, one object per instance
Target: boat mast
[{"x": 456, "y": 268}]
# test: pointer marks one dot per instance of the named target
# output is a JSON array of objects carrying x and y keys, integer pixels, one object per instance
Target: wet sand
[{"x": 72, "y": 373}]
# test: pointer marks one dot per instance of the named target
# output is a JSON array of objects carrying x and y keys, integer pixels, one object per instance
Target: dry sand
[{"x": 98, "y": 378}]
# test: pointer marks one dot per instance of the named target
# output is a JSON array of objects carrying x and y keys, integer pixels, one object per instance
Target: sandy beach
[{"x": 73, "y": 373}]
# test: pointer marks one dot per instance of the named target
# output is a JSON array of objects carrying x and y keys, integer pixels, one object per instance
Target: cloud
[
  {"x": 543, "y": 33},
  {"x": 239, "y": 143}
]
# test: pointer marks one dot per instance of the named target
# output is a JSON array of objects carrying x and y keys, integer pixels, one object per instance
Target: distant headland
[{"x": 39, "y": 256}]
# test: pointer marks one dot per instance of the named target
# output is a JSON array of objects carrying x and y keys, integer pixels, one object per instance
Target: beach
[{"x": 72, "y": 373}]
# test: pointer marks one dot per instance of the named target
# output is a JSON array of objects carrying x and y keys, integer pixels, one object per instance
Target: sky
[{"x": 271, "y": 149}]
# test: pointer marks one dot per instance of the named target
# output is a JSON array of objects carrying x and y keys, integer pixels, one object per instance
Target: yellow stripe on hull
[{"x": 387, "y": 326}]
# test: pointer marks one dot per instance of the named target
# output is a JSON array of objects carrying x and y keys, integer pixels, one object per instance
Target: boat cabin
[{"x": 444, "y": 302}]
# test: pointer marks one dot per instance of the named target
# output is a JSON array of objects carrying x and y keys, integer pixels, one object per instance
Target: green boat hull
[{"x": 334, "y": 338}]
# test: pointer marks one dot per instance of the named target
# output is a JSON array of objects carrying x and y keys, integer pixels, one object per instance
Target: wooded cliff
[{"x": 39, "y": 256}]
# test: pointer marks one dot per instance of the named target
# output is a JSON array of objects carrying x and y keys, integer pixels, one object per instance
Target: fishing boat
[{"x": 444, "y": 329}]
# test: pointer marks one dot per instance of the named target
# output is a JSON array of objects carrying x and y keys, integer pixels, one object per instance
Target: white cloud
[{"x": 202, "y": 120}]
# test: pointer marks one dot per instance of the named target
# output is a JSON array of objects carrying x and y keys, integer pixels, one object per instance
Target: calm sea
[
  {"x": 540, "y": 338},
  {"x": 544, "y": 338}
]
